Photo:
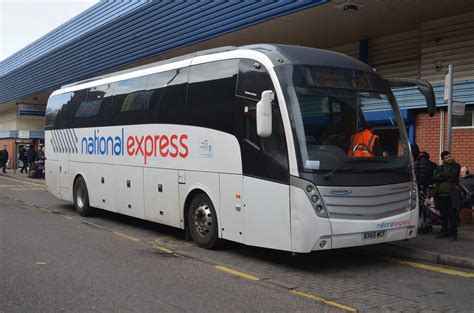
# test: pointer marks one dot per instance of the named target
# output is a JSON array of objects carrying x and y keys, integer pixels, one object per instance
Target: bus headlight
[{"x": 316, "y": 201}]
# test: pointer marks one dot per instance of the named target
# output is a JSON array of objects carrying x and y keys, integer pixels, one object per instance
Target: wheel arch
[{"x": 192, "y": 192}]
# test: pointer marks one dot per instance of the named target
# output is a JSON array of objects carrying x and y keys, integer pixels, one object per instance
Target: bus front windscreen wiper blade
[{"x": 355, "y": 160}]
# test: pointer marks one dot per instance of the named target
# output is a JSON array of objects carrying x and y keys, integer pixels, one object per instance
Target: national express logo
[{"x": 147, "y": 146}]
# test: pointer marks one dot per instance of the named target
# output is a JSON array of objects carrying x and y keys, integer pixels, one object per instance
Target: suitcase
[{"x": 33, "y": 174}]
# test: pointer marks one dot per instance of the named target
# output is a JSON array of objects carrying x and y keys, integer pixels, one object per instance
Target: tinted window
[
  {"x": 253, "y": 79},
  {"x": 128, "y": 101},
  {"x": 261, "y": 157},
  {"x": 211, "y": 95},
  {"x": 166, "y": 97},
  {"x": 66, "y": 116},
  {"x": 55, "y": 105},
  {"x": 95, "y": 110}
]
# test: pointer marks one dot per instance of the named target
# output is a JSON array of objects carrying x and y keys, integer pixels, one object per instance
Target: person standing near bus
[
  {"x": 39, "y": 161},
  {"x": 4, "y": 159},
  {"x": 23, "y": 157},
  {"x": 447, "y": 199},
  {"x": 31, "y": 155},
  {"x": 365, "y": 143}
]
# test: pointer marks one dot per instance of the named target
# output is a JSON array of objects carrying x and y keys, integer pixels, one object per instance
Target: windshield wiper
[{"x": 331, "y": 173}]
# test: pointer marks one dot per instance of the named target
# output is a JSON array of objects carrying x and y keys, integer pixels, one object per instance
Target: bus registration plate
[{"x": 374, "y": 234}]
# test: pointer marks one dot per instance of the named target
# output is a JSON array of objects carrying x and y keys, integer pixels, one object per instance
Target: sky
[{"x": 24, "y": 21}]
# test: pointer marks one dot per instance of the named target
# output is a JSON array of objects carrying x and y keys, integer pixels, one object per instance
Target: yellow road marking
[
  {"x": 126, "y": 236},
  {"x": 329, "y": 302},
  {"x": 431, "y": 268},
  {"x": 237, "y": 273},
  {"x": 65, "y": 216},
  {"x": 46, "y": 210},
  {"x": 24, "y": 182},
  {"x": 164, "y": 250}
]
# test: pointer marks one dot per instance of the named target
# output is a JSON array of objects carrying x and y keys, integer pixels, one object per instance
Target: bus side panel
[
  {"x": 161, "y": 196},
  {"x": 267, "y": 214},
  {"x": 100, "y": 180},
  {"x": 232, "y": 208},
  {"x": 129, "y": 191},
  {"x": 52, "y": 177}
]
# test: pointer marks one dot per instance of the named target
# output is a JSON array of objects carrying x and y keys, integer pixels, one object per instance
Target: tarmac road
[{"x": 54, "y": 260}]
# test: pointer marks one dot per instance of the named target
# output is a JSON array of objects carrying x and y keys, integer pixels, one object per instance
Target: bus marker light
[
  {"x": 237, "y": 196},
  {"x": 322, "y": 244},
  {"x": 309, "y": 188},
  {"x": 315, "y": 198}
]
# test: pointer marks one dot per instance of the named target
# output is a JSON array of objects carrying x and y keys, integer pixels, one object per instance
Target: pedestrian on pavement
[
  {"x": 467, "y": 181},
  {"x": 424, "y": 170},
  {"x": 23, "y": 157},
  {"x": 39, "y": 161},
  {"x": 4, "y": 159},
  {"x": 447, "y": 199},
  {"x": 31, "y": 155}
]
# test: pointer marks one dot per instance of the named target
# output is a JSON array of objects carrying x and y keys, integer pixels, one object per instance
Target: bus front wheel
[
  {"x": 202, "y": 222},
  {"x": 81, "y": 197}
]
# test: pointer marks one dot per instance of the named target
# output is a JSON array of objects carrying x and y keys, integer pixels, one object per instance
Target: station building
[{"x": 410, "y": 39}]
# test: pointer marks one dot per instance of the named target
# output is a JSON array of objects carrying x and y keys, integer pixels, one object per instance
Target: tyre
[
  {"x": 202, "y": 222},
  {"x": 81, "y": 197}
]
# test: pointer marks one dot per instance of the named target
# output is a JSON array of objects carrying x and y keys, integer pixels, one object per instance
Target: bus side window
[
  {"x": 211, "y": 95},
  {"x": 67, "y": 114},
  {"x": 166, "y": 97},
  {"x": 262, "y": 157},
  {"x": 95, "y": 111},
  {"x": 54, "y": 109},
  {"x": 128, "y": 101}
]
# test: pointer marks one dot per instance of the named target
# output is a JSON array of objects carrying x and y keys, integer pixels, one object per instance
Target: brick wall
[{"x": 427, "y": 136}]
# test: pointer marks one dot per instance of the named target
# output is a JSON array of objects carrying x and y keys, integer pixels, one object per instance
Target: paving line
[
  {"x": 325, "y": 301},
  {"x": 432, "y": 268},
  {"x": 126, "y": 236},
  {"x": 164, "y": 250},
  {"x": 24, "y": 182},
  {"x": 236, "y": 273}
]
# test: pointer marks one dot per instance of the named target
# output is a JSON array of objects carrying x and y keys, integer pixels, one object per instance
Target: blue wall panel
[{"x": 150, "y": 29}]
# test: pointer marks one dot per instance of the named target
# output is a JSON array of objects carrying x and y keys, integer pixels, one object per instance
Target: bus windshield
[{"x": 333, "y": 110}]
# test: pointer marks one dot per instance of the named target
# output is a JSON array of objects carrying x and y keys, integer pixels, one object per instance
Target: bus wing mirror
[
  {"x": 264, "y": 114},
  {"x": 423, "y": 86}
]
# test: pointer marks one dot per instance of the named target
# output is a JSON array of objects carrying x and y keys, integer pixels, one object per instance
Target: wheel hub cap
[{"x": 203, "y": 220}]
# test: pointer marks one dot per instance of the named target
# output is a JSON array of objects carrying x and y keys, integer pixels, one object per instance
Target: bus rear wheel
[
  {"x": 202, "y": 222},
  {"x": 81, "y": 197}
]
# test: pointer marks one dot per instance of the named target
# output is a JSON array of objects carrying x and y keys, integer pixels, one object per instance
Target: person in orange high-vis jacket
[{"x": 365, "y": 143}]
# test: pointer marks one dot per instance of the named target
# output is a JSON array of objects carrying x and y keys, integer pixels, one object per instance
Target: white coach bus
[{"x": 246, "y": 144}]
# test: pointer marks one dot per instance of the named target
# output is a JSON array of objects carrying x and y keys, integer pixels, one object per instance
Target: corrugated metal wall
[
  {"x": 152, "y": 29},
  {"x": 396, "y": 55},
  {"x": 424, "y": 52},
  {"x": 448, "y": 41}
]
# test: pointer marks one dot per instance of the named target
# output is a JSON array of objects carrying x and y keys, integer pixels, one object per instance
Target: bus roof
[{"x": 277, "y": 53}]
